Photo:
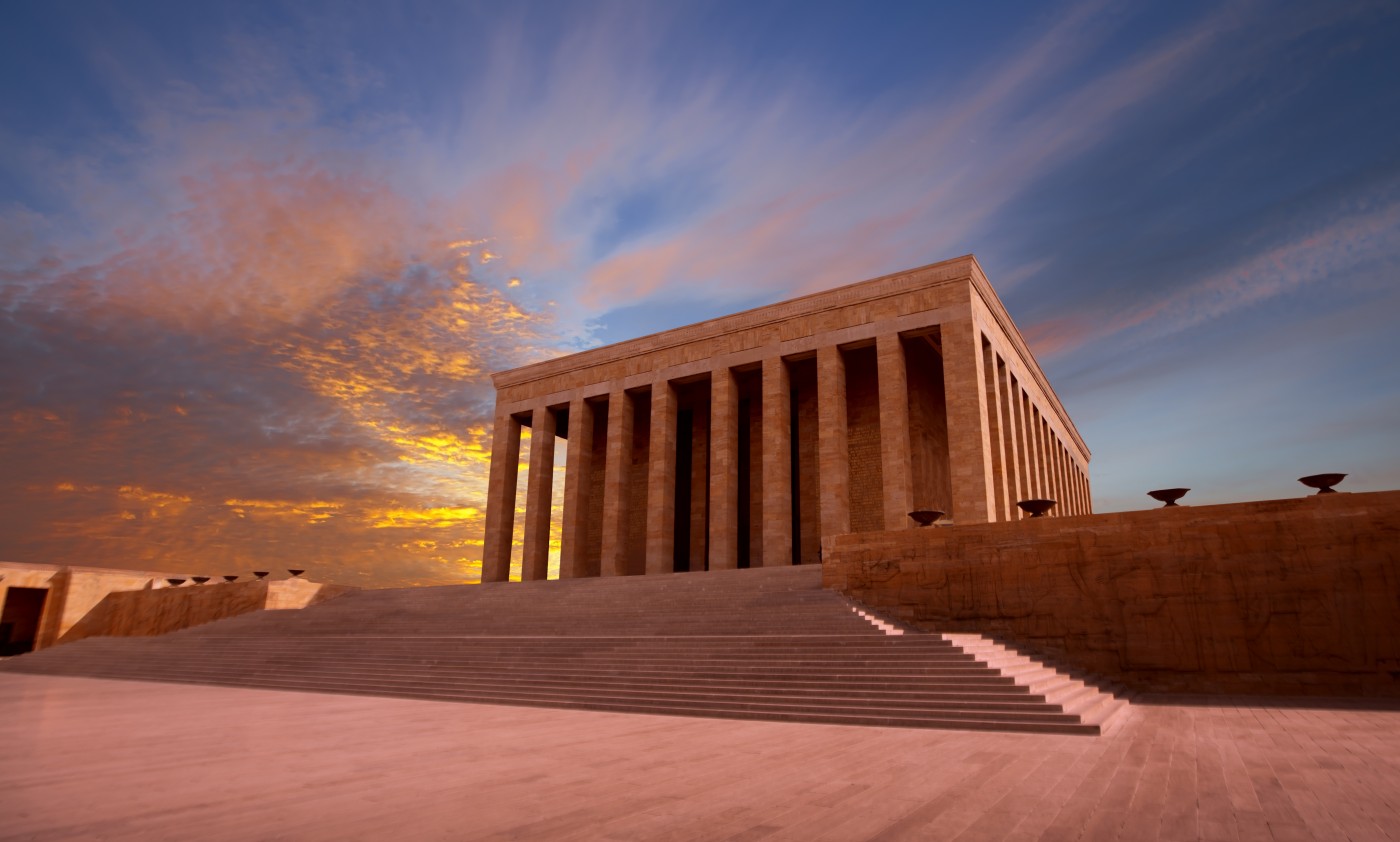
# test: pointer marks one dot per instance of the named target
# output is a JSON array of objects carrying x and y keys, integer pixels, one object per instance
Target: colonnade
[
  {"x": 986, "y": 443},
  {"x": 1030, "y": 458}
]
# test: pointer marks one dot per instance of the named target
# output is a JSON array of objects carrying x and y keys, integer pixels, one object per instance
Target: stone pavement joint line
[
  {"x": 126, "y": 760},
  {"x": 742, "y": 644}
]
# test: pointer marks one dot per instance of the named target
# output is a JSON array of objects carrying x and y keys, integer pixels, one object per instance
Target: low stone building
[
  {"x": 45, "y": 604},
  {"x": 744, "y": 440}
]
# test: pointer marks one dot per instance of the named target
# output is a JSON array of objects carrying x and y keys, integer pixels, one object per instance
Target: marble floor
[{"x": 94, "y": 759}]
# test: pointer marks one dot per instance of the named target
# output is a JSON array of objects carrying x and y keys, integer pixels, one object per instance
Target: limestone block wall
[
  {"x": 72, "y": 591},
  {"x": 145, "y": 613},
  {"x": 78, "y": 592},
  {"x": 1291, "y": 597}
]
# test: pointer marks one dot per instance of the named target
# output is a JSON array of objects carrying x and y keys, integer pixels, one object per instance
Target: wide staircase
[{"x": 747, "y": 644}]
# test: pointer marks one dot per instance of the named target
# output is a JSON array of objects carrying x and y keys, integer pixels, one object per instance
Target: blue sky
[{"x": 257, "y": 259}]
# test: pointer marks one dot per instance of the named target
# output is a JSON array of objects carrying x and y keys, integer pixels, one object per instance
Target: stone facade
[
  {"x": 1278, "y": 597},
  {"x": 44, "y": 604},
  {"x": 743, "y": 441}
]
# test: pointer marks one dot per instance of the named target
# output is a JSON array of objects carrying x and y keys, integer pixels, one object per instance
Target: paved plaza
[{"x": 115, "y": 760}]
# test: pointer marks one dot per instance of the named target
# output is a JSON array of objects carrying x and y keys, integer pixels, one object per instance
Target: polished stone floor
[{"x": 93, "y": 759}]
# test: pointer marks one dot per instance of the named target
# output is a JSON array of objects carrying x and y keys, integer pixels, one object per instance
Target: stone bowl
[
  {"x": 926, "y": 517},
  {"x": 1323, "y": 482},
  {"x": 296, "y": 573},
  {"x": 230, "y": 578},
  {"x": 199, "y": 580},
  {"x": 175, "y": 583},
  {"x": 261, "y": 574},
  {"x": 1168, "y": 496},
  {"x": 1036, "y": 508}
]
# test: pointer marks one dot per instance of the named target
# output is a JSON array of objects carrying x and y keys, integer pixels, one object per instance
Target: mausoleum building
[{"x": 742, "y": 441}]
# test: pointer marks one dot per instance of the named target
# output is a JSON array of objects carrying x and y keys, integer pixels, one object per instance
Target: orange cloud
[
  {"x": 432, "y": 518},
  {"x": 314, "y": 511}
]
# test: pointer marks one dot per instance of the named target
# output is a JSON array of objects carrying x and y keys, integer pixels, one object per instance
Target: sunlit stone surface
[
  {"x": 838, "y": 412},
  {"x": 119, "y": 760}
]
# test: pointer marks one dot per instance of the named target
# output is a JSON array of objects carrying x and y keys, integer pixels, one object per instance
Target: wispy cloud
[{"x": 1327, "y": 255}]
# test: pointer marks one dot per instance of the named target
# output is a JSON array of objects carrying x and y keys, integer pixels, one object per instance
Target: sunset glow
[{"x": 258, "y": 262}]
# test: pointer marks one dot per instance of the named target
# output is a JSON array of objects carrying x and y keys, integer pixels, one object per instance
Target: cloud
[
  {"x": 1327, "y": 255},
  {"x": 269, "y": 357},
  {"x": 891, "y": 185}
]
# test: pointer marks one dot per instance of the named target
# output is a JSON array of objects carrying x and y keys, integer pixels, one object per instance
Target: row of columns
[
  {"x": 776, "y": 532},
  {"x": 1030, "y": 460},
  {"x": 1026, "y": 460}
]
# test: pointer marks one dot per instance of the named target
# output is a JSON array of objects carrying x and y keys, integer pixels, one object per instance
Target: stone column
[
  {"x": 1023, "y": 406},
  {"x": 1048, "y": 477},
  {"x": 833, "y": 461},
  {"x": 1013, "y": 441},
  {"x": 724, "y": 470},
  {"x": 1062, "y": 479},
  {"x": 969, "y": 445},
  {"x": 896, "y": 469},
  {"x": 1062, "y": 476},
  {"x": 996, "y": 432},
  {"x": 1074, "y": 487},
  {"x": 1038, "y": 453},
  {"x": 578, "y": 474},
  {"x": 777, "y": 464},
  {"x": 1080, "y": 492},
  {"x": 539, "y": 496},
  {"x": 615, "y": 485},
  {"x": 1047, "y": 439},
  {"x": 661, "y": 481},
  {"x": 500, "y": 499}
]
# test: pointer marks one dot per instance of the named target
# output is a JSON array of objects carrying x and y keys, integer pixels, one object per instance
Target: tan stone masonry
[{"x": 745, "y": 440}]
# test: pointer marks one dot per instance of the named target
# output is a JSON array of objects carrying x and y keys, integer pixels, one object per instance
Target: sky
[{"x": 258, "y": 260}]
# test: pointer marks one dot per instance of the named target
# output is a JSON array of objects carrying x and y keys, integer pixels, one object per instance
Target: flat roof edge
[{"x": 742, "y": 320}]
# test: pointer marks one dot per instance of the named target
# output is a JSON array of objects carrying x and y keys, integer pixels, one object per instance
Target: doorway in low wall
[{"x": 19, "y": 619}]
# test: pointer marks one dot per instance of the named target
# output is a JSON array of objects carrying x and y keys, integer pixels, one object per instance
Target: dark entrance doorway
[{"x": 19, "y": 622}]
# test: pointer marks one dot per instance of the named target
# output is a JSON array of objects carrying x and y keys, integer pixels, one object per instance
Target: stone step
[
  {"x": 719, "y": 707},
  {"x": 756, "y": 645},
  {"x": 804, "y": 655},
  {"x": 990, "y": 682},
  {"x": 818, "y": 696},
  {"x": 744, "y": 644},
  {"x": 965, "y": 695}
]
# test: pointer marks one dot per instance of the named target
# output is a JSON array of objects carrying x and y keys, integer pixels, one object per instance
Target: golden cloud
[
  {"x": 313, "y": 511},
  {"x": 436, "y": 517}
]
